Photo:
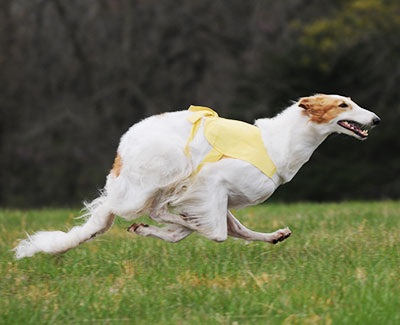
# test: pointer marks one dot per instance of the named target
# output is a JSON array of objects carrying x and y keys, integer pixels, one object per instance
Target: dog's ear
[
  {"x": 312, "y": 102},
  {"x": 305, "y": 103}
]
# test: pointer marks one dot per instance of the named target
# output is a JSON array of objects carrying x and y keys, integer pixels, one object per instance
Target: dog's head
[{"x": 338, "y": 114}]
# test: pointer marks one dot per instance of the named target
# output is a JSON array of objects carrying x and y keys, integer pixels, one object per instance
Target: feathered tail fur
[{"x": 99, "y": 220}]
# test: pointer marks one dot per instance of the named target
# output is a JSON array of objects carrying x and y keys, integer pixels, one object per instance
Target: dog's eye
[{"x": 343, "y": 105}]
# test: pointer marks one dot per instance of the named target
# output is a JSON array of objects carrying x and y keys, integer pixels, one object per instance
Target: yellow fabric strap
[
  {"x": 212, "y": 156},
  {"x": 230, "y": 138},
  {"x": 199, "y": 113}
]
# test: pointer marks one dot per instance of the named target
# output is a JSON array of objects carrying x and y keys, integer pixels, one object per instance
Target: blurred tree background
[{"x": 76, "y": 74}]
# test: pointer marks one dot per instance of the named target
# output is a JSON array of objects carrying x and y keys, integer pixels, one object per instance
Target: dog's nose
[{"x": 376, "y": 120}]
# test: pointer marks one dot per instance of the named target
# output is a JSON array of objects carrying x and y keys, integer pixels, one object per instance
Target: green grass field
[{"x": 341, "y": 266}]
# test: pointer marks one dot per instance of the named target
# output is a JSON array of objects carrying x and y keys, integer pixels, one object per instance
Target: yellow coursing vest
[{"x": 230, "y": 138}]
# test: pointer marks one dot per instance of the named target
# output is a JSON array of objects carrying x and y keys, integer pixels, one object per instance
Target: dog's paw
[
  {"x": 281, "y": 235},
  {"x": 135, "y": 228}
]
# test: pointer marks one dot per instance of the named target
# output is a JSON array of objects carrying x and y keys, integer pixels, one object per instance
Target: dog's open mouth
[{"x": 354, "y": 127}]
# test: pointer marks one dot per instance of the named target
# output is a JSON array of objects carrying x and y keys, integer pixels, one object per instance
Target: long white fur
[{"x": 156, "y": 175}]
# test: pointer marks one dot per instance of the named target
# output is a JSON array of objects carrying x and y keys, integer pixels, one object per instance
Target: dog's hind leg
[
  {"x": 170, "y": 233},
  {"x": 236, "y": 229},
  {"x": 100, "y": 220},
  {"x": 164, "y": 216}
]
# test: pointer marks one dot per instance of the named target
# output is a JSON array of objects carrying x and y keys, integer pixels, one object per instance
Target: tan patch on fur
[
  {"x": 323, "y": 108},
  {"x": 116, "y": 169}
]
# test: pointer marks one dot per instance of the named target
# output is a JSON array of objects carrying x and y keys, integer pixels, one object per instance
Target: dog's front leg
[{"x": 236, "y": 229}]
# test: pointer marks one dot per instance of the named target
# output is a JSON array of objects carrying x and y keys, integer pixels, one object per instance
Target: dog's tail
[{"x": 99, "y": 220}]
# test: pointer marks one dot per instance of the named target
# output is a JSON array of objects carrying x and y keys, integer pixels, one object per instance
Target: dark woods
[{"x": 76, "y": 74}]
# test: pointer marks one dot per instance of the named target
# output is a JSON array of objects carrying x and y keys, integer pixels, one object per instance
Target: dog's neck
[{"x": 290, "y": 139}]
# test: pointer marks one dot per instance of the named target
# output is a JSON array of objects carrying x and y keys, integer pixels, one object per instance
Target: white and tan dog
[{"x": 153, "y": 176}]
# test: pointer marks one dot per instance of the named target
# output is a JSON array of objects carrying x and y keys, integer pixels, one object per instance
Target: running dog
[{"x": 174, "y": 168}]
